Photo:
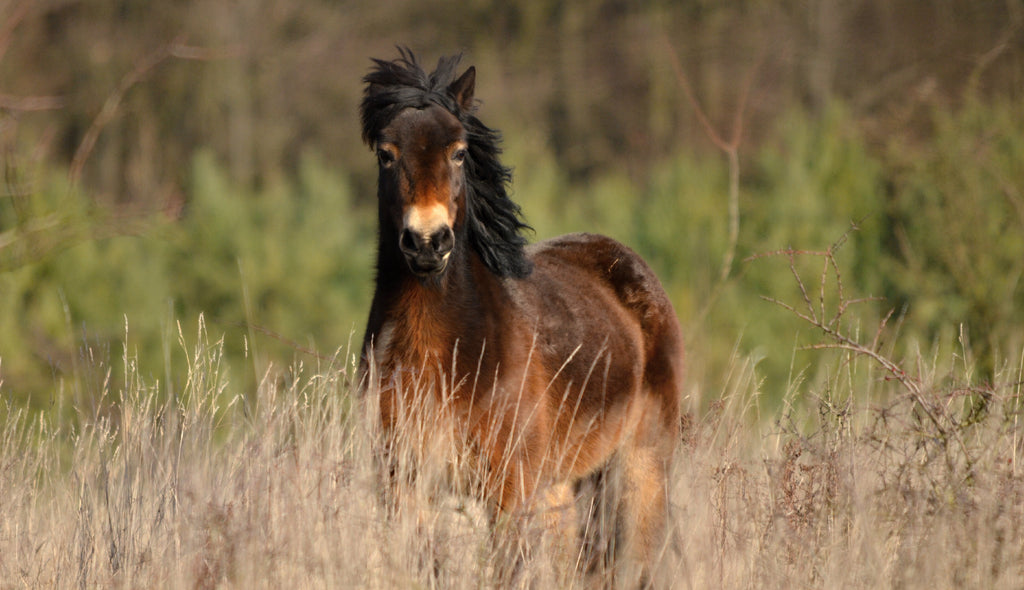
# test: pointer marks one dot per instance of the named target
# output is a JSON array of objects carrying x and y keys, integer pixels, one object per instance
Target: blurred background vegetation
[{"x": 166, "y": 159}]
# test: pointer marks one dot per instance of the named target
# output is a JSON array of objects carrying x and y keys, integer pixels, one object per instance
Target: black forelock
[
  {"x": 494, "y": 221},
  {"x": 393, "y": 86}
]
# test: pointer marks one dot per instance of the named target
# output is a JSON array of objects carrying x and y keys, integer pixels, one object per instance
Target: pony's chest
[{"x": 403, "y": 346}]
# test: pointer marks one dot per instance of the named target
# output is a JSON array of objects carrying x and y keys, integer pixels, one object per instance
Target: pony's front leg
[
  {"x": 560, "y": 535},
  {"x": 412, "y": 547},
  {"x": 506, "y": 493},
  {"x": 388, "y": 479},
  {"x": 509, "y": 548},
  {"x": 535, "y": 539}
]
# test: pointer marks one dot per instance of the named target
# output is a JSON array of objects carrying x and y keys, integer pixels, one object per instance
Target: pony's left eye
[{"x": 459, "y": 156}]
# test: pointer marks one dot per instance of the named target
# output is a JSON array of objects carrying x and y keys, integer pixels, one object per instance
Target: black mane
[{"x": 494, "y": 222}]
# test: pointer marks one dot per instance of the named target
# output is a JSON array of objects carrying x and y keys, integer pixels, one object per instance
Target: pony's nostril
[
  {"x": 443, "y": 240},
  {"x": 437, "y": 243},
  {"x": 407, "y": 242}
]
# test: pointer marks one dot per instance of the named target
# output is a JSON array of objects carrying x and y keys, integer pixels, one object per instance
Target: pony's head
[{"x": 440, "y": 184}]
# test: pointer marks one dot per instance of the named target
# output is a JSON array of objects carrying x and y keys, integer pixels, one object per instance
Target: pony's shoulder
[{"x": 585, "y": 248}]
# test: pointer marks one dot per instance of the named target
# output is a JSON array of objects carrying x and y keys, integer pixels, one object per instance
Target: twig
[
  {"x": 22, "y": 103},
  {"x": 110, "y": 106},
  {"x": 830, "y": 327},
  {"x": 270, "y": 333},
  {"x": 11, "y": 23},
  {"x": 730, "y": 146},
  {"x": 176, "y": 49},
  {"x": 1001, "y": 46},
  {"x": 30, "y": 103}
]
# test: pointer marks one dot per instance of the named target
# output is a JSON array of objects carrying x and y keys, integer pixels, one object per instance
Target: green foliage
[
  {"x": 958, "y": 219},
  {"x": 939, "y": 233},
  {"x": 296, "y": 253},
  {"x": 805, "y": 189},
  {"x": 292, "y": 258},
  {"x": 940, "y": 236}
]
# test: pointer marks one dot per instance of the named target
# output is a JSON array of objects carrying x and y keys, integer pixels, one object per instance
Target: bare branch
[
  {"x": 821, "y": 290},
  {"x": 881, "y": 327},
  {"x": 789, "y": 308},
  {"x": 280, "y": 338},
  {"x": 191, "y": 52},
  {"x": 803, "y": 289},
  {"x": 1001, "y": 46},
  {"x": 730, "y": 146},
  {"x": 30, "y": 103},
  {"x": 176, "y": 49},
  {"x": 784, "y": 252},
  {"x": 841, "y": 341},
  {"x": 734, "y": 212},
  {"x": 110, "y": 106},
  {"x": 11, "y": 23},
  {"x": 684, "y": 82}
]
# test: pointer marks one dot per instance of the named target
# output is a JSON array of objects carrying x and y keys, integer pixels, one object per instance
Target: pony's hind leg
[
  {"x": 598, "y": 498},
  {"x": 643, "y": 513},
  {"x": 559, "y": 535},
  {"x": 625, "y": 509}
]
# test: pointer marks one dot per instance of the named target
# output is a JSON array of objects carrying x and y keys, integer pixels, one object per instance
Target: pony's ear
[{"x": 462, "y": 89}]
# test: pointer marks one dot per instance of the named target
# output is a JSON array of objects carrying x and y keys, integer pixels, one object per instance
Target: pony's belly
[{"x": 594, "y": 439}]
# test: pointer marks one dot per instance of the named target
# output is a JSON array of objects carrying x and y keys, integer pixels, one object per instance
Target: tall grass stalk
[{"x": 849, "y": 486}]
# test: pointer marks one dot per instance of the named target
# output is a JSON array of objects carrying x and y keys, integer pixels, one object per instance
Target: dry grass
[{"x": 859, "y": 482}]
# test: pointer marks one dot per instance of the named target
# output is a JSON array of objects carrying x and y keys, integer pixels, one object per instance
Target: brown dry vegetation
[
  {"x": 876, "y": 474},
  {"x": 225, "y": 137}
]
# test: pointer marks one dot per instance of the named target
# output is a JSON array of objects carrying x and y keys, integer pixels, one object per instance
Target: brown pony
[{"x": 548, "y": 367}]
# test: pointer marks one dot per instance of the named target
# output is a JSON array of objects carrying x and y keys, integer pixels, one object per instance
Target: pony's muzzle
[{"x": 427, "y": 253}]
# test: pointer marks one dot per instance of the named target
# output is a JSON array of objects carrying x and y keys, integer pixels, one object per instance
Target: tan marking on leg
[{"x": 644, "y": 509}]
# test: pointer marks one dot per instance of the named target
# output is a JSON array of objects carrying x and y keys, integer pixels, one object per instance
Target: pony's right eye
[{"x": 385, "y": 158}]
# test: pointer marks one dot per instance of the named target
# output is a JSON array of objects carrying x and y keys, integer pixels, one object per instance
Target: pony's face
[{"x": 421, "y": 156}]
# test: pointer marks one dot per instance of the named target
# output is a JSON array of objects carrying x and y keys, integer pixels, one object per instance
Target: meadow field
[
  {"x": 830, "y": 192},
  {"x": 884, "y": 473}
]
